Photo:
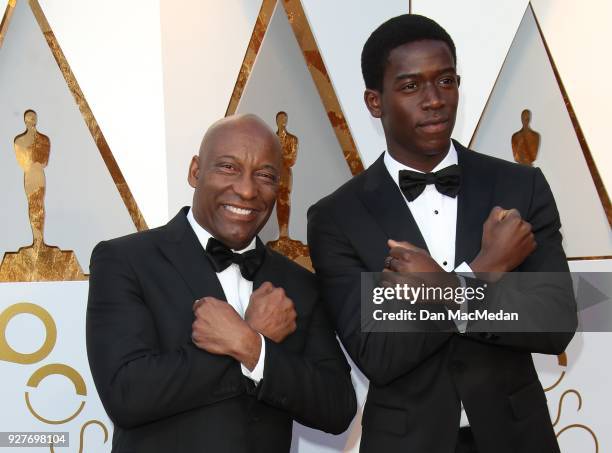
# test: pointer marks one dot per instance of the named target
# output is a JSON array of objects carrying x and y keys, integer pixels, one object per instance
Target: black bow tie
[
  {"x": 221, "y": 257},
  {"x": 447, "y": 181}
]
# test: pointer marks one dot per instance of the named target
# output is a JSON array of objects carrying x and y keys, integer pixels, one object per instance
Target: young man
[
  {"x": 255, "y": 351},
  {"x": 430, "y": 205}
]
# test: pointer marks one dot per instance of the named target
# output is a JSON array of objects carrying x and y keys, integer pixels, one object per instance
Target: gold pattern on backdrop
[
  {"x": 526, "y": 142},
  {"x": 82, "y": 435},
  {"x": 39, "y": 261},
  {"x": 7, "y": 353},
  {"x": 318, "y": 71},
  {"x": 62, "y": 370},
  {"x": 291, "y": 248},
  {"x": 32, "y": 151},
  {"x": 89, "y": 118},
  {"x": 289, "y": 145},
  {"x": 314, "y": 61},
  {"x": 259, "y": 31},
  {"x": 5, "y": 20},
  {"x": 562, "y": 362},
  {"x": 316, "y": 67},
  {"x": 586, "y": 151}
]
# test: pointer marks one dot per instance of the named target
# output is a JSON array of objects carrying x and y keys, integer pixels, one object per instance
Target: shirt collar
[
  {"x": 393, "y": 166},
  {"x": 204, "y": 236}
]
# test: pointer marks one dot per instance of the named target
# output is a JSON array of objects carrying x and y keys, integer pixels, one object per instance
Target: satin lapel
[
  {"x": 269, "y": 271},
  {"x": 387, "y": 205},
  {"x": 186, "y": 254},
  {"x": 473, "y": 205}
]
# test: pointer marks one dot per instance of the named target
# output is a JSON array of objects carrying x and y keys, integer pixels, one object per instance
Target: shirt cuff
[
  {"x": 257, "y": 374},
  {"x": 465, "y": 270}
]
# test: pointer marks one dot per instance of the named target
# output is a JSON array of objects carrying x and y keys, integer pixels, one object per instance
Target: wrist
[
  {"x": 247, "y": 347},
  {"x": 487, "y": 269}
]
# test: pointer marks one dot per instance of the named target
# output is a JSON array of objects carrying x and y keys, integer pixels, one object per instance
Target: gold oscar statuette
[
  {"x": 38, "y": 261},
  {"x": 291, "y": 248},
  {"x": 526, "y": 142}
]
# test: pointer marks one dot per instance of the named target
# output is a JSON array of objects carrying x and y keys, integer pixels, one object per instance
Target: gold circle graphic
[
  {"x": 9, "y": 354},
  {"x": 63, "y": 370}
]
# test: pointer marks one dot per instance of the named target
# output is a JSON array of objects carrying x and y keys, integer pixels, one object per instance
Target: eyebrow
[
  {"x": 226, "y": 156},
  {"x": 267, "y": 166},
  {"x": 418, "y": 74},
  {"x": 271, "y": 167}
]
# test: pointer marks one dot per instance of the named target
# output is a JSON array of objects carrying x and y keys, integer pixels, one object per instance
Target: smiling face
[
  {"x": 235, "y": 179},
  {"x": 418, "y": 102}
]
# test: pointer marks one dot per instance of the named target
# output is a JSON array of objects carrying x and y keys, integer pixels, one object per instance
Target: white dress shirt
[
  {"x": 237, "y": 290},
  {"x": 436, "y": 216}
]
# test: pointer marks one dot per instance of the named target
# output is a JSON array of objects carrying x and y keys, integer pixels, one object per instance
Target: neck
[{"x": 419, "y": 161}]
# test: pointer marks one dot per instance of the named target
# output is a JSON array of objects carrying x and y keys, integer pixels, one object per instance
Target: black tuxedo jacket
[
  {"x": 166, "y": 395},
  {"x": 417, "y": 380}
]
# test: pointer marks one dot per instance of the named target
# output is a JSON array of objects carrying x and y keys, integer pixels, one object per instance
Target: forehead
[
  {"x": 243, "y": 143},
  {"x": 419, "y": 57}
]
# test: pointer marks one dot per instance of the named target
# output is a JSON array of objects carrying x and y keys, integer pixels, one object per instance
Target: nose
[
  {"x": 245, "y": 187},
  {"x": 431, "y": 98}
]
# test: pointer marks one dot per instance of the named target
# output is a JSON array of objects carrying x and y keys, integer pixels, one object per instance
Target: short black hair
[{"x": 393, "y": 33}]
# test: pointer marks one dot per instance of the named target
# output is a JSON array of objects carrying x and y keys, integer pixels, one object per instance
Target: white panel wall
[
  {"x": 579, "y": 35},
  {"x": 203, "y": 45},
  {"x": 113, "y": 48}
]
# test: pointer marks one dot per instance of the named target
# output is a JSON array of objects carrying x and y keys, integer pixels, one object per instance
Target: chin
[
  {"x": 435, "y": 147},
  {"x": 239, "y": 239}
]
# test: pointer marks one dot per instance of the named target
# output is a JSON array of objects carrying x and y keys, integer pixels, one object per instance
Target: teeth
[{"x": 236, "y": 210}]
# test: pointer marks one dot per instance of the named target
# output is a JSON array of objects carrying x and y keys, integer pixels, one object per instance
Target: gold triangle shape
[
  {"x": 259, "y": 31},
  {"x": 314, "y": 62}
]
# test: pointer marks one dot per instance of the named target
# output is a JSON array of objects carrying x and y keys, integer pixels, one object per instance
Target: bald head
[
  {"x": 236, "y": 178},
  {"x": 247, "y": 124}
]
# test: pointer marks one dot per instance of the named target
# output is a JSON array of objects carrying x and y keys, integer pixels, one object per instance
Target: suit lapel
[
  {"x": 182, "y": 248},
  {"x": 473, "y": 205},
  {"x": 383, "y": 199},
  {"x": 269, "y": 270}
]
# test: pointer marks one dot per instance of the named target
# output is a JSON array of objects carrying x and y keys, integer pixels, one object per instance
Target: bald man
[{"x": 199, "y": 337}]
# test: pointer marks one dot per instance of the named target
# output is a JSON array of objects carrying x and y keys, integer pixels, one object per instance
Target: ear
[
  {"x": 194, "y": 171},
  {"x": 458, "y": 80},
  {"x": 372, "y": 100}
]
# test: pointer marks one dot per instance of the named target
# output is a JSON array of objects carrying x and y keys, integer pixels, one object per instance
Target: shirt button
[
  {"x": 445, "y": 263},
  {"x": 436, "y": 212}
]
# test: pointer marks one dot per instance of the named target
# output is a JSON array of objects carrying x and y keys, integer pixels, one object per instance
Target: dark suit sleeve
[
  {"x": 381, "y": 356},
  {"x": 138, "y": 383},
  {"x": 541, "y": 293},
  {"x": 315, "y": 387}
]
